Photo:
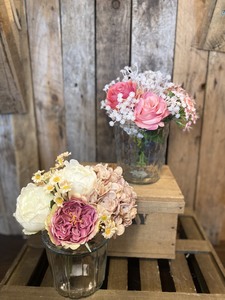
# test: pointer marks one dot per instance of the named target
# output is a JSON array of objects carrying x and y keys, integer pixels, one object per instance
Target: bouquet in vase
[
  {"x": 142, "y": 105},
  {"x": 74, "y": 203}
]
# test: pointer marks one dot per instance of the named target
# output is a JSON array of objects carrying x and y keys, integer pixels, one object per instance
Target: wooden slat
[
  {"x": 46, "y": 61},
  {"x": 181, "y": 274},
  {"x": 153, "y": 34},
  {"x": 149, "y": 273},
  {"x": 192, "y": 246},
  {"x": 117, "y": 278},
  {"x": 47, "y": 279},
  {"x": 211, "y": 33},
  {"x": 191, "y": 230},
  {"x": 27, "y": 293},
  {"x": 213, "y": 278},
  {"x": 12, "y": 83},
  {"x": 210, "y": 201},
  {"x": 112, "y": 54},
  {"x": 78, "y": 43},
  {"x": 25, "y": 268},
  {"x": 190, "y": 67},
  {"x": 19, "y": 155}
]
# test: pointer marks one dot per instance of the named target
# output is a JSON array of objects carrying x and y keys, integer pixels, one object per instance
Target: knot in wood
[{"x": 116, "y": 4}]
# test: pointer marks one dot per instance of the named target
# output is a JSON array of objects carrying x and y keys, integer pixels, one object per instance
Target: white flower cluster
[{"x": 124, "y": 111}]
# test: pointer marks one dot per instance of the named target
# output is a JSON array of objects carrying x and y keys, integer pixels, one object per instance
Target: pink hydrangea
[
  {"x": 73, "y": 224},
  {"x": 115, "y": 196},
  {"x": 123, "y": 88}
]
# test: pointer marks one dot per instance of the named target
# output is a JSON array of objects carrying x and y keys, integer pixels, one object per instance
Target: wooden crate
[
  {"x": 154, "y": 233},
  {"x": 195, "y": 273}
]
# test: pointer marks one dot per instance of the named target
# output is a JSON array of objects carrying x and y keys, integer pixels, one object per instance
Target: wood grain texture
[
  {"x": 12, "y": 90},
  {"x": 112, "y": 54},
  {"x": 190, "y": 68},
  {"x": 212, "y": 30},
  {"x": 181, "y": 274},
  {"x": 149, "y": 273},
  {"x": 118, "y": 270},
  {"x": 46, "y": 61},
  {"x": 210, "y": 198},
  {"x": 153, "y": 34},
  {"x": 78, "y": 43},
  {"x": 19, "y": 156}
]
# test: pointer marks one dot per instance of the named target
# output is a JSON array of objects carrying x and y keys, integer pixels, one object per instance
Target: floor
[{"x": 11, "y": 245}]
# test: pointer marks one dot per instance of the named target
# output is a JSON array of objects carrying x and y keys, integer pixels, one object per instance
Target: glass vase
[
  {"x": 141, "y": 153},
  {"x": 77, "y": 273}
]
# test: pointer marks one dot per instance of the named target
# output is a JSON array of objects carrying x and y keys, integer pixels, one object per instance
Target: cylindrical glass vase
[
  {"x": 77, "y": 273},
  {"x": 141, "y": 153}
]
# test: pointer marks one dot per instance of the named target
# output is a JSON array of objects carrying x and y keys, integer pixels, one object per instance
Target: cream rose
[
  {"x": 83, "y": 178},
  {"x": 33, "y": 206}
]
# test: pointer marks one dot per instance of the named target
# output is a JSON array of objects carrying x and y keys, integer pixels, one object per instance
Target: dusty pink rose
[
  {"x": 150, "y": 111},
  {"x": 123, "y": 88},
  {"x": 75, "y": 223}
]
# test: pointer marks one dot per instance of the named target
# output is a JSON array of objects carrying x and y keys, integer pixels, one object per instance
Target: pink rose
[
  {"x": 75, "y": 223},
  {"x": 123, "y": 88},
  {"x": 150, "y": 111}
]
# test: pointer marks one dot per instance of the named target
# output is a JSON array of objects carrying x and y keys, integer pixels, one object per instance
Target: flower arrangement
[
  {"x": 142, "y": 106},
  {"x": 148, "y": 100},
  {"x": 75, "y": 202}
]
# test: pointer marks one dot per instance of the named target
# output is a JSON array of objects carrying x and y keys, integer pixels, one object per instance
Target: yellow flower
[
  {"x": 56, "y": 178},
  {"x": 110, "y": 230},
  {"x": 61, "y": 158},
  {"x": 58, "y": 199},
  {"x": 49, "y": 188},
  {"x": 38, "y": 177},
  {"x": 65, "y": 187}
]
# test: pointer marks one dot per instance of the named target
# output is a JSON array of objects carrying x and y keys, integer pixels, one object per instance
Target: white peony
[
  {"x": 83, "y": 178},
  {"x": 33, "y": 206}
]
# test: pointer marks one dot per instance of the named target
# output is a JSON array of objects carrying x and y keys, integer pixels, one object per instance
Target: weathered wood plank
[
  {"x": 209, "y": 269},
  {"x": 27, "y": 293},
  {"x": 210, "y": 193},
  {"x": 112, "y": 54},
  {"x": 12, "y": 90},
  {"x": 117, "y": 278},
  {"x": 149, "y": 273},
  {"x": 191, "y": 230},
  {"x": 181, "y": 274},
  {"x": 24, "y": 270},
  {"x": 211, "y": 33},
  {"x": 19, "y": 157},
  {"x": 153, "y": 34},
  {"x": 190, "y": 67},
  {"x": 47, "y": 279},
  {"x": 46, "y": 61},
  {"x": 78, "y": 43}
]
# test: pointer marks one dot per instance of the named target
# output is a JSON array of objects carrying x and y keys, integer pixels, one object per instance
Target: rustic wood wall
[{"x": 68, "y": 50}]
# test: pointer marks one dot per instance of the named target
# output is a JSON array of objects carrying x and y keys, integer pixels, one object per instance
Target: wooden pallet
[{"x": 195, "y": 273}]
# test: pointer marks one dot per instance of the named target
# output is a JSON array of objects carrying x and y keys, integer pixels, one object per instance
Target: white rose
[
  {"x": 83, "y": 178},
  {"x": 32, "y": 208}
]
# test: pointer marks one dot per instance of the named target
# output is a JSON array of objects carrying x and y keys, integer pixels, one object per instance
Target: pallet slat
[
  {"x": 181, "y": 274},
  {"x": 209, "y": 269},
  {"x": 149, "y": 272},
  {"x": 118, "y": 269}
]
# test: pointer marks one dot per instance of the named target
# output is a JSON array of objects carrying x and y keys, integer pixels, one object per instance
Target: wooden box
[
  {"x": 154, "y": 233},
  {"x": 195, "y": 274}
]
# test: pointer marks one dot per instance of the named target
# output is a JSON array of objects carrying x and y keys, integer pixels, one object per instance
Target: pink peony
[
  {"x": 150, "y": 111},
  {"x": 123, "y": 88},
  {"x": 75, "y": 223}
]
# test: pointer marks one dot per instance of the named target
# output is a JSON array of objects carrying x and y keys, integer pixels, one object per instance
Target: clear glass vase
[
  {"x": 77, "y": 273},
  {"x": 141, "y": 153}
]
